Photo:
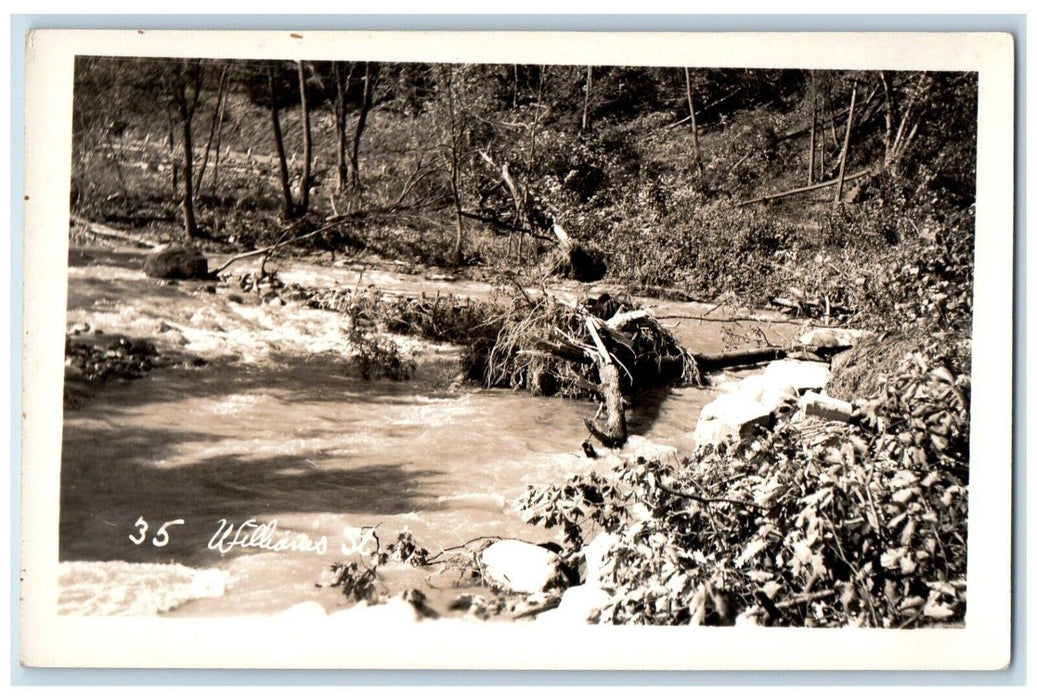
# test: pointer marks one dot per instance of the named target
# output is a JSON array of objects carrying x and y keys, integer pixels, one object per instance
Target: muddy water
[{"x": 278, "y": 427}]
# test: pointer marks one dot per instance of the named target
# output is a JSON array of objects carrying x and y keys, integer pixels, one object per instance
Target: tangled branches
[
  {"x": 535, "y": 342},
  {"x": 546, "y": 347}
]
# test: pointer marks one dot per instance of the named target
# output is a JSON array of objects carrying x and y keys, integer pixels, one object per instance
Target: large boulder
[
  {"x": 729, "y": 418},
  {"x": 751, "y": 387},
  {"x": 799, "y": 374},
  {"x": 176, "y": 262},
  {"x": 520, "y": 566}
]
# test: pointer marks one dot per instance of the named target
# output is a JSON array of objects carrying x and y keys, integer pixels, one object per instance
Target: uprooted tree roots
[
  {"x": 545, "y": 346},
  {"x": 603, "y": 347}
]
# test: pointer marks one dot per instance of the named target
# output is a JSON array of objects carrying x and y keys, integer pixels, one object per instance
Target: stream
[{"x": 277, "y": 426}]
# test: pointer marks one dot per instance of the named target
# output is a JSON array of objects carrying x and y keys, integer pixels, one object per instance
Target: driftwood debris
[
  {"x": 614, "y": 432},
  {"x": 815, "y": 307},
  {"x": 603, "y": 347},
  {"x": 756, "y": 356}
]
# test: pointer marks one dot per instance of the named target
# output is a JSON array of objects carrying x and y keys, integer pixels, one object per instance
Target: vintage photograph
[{"x": 462, "y": 343}]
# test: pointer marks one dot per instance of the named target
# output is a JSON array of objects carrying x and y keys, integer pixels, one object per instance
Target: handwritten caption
[{"x": 260, "y": 535}]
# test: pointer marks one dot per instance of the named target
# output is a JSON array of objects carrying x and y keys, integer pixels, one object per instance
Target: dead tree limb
[
  {"x": 271, "y": 248},
  {"x": 588, "y": 83},
  {"x": 813, "y": 127},
  {"x": 846, "y": 147},
  {"x": 614, "y": 431},
  {"x": 810, "y": 188},
  {"x": 706, "y": 499},
  {"x": 756, "y": 356},
  {"x": 216, "y": 115}
]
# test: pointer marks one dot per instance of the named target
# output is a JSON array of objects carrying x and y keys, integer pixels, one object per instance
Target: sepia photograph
[{"x": 368, "y": 341}]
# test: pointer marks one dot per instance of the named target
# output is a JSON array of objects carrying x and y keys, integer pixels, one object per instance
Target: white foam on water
[
  {"x": 235, "y": 404},
  {"x": 108, "y": 272},
  {"x": 124, "y": 588},
  {"x": 477, "y": 501}
]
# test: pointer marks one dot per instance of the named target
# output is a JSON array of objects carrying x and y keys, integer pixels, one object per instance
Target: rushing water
[{"x": 278, "y": 427}]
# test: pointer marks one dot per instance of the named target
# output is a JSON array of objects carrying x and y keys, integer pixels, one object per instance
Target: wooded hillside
[{"x": 702, "y": 181}]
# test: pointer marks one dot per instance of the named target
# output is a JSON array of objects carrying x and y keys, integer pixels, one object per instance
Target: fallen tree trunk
[
  {"x": 809, "y": 188},
  {"x": 756, "y": 356},
  {"x": 614, "y": 431}
]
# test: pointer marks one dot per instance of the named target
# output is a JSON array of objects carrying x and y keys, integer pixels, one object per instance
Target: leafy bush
[
  {"x": 359, "y": 579},
  {"x": 375, "y": 354},
  {"x": 865, "y": 525}
]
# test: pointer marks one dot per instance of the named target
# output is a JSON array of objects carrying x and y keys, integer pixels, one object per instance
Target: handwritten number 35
[{"x": 161, "y": 538}]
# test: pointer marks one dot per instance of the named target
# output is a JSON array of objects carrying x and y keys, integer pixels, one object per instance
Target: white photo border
[{"x": 51, "y": 640}]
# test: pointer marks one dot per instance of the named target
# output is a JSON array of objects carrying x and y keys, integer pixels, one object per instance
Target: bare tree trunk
[
  {"x": 288, "y": 206},
  {"x": 341, "y": 124},
  {"x": 115, "y": 159},
  {"x": 821, "y": 155},
  {"x": 190, "y": 225},
  {"x": 813, "y": 127},
  {"x": 588, "y": 84},
  {"x": 219, "y": 140},
  {"x": 831, "y": 115},
  {"x": 536, "y": 121},
  {"x": 455, "y": 170},
  {"x": 846, "y": 146},
  {"x": 694, "y": 124},
  {"x": 173, "y": 165},
  {"x": 529, "y": 158},
  {"x": 212, "y": 132},
  {"x": 341, "y": 169},
  {"x": 186, "y": 108},
  {"x": 370, "y": 78},
  {"x": 458, "y": 219},
  {"x": 307, "y": 146},
  {"x": 887, "y": 90}
]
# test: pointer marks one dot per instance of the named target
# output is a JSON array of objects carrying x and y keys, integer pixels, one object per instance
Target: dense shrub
[{"x": 863, "y": 525}]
